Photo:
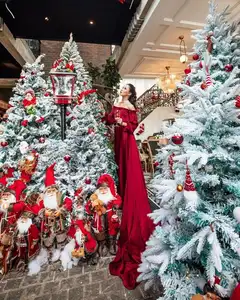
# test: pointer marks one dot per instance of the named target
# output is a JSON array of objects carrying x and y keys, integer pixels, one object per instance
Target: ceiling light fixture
[
  {"x": 91, "y": 22},
  {"x": 46, "y": 19},
  {"x": 182, "y": 47},
  {"x": 168, "y": 82}
]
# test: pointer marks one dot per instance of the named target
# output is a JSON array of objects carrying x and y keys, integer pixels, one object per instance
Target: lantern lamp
[{"x": 63, "y": 86}]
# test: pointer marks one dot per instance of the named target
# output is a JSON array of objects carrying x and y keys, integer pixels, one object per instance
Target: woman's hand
[{"x": 118, "y": 120}]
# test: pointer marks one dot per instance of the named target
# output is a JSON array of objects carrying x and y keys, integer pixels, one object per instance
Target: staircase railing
[{"x": 153, "y": 98}]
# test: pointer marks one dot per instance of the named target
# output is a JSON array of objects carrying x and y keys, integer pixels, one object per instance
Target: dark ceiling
[
  {"x": 9, "y": 68},
  {"x": 111, "y": 19}
]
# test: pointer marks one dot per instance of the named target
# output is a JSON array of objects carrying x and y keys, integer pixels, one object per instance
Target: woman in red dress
[{"x": 136, "y": 226}]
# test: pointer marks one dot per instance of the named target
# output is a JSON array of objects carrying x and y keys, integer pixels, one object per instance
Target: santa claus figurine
[
  {"x": 5, "y": 173},
  {"x": 30, "y": 101},
  {"x": 70, "y": 66},
  {"x": 55, "y": 216},
  {"x": 82, "y": 243},
  {"x": 27, "y": 236},
  {"x": 9, "y": 213},
  {"x": 103, "y": 205}
]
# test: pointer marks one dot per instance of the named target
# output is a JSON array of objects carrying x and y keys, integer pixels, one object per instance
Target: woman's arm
[
  {"x": 109, "y": 118},
  {"x": 132, "y": 123}
]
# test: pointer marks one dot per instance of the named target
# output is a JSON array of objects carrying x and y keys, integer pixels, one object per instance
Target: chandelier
[
  {"x": 168, "y": 82},
  {"x": 182, "y": 48}
]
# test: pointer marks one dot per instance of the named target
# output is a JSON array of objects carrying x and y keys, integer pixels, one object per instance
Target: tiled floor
[{"x": 83, "y": 282}]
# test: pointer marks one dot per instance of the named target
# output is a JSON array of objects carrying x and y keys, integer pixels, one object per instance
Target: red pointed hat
[
  {"x": 18, "y": 187},
  {"x": 50, "y": 178},
  {"x": 31, "y": 211},
  {"x": 107, "y": 179},
  {"x": 188, "y": 185}
]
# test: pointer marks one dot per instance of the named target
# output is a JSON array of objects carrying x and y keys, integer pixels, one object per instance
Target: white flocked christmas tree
[
  {"x": 85, "y": 154},
  {"x": 32, "y": 118},
  {"x": 196, "y": 240}
]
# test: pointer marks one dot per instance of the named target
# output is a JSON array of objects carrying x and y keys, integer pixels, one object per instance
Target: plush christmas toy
[
  {"x": 70, "y": 66},
  {"x": 29, "y": 102},
  {"x": 190, "y": 192},
  {"x": 97, "y": 205},
  {"x": 27, "y": 165}
]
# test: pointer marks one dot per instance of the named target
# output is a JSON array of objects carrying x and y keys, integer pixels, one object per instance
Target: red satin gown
[{"x": 136, "y": 226}]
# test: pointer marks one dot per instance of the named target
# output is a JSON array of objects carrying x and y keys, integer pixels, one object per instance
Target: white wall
[
  {"x": 141, "y": 84},
  {"x": 153, "y": 122}
]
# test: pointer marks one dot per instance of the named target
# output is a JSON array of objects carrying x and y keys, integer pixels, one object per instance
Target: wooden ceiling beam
[
  {"x": 18, "y": 48},
  {"x": 6, "y": 83},
  {"x": 3, "y": 105}
]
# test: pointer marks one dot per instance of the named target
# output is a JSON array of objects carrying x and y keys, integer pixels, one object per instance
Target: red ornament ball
[
  {"x": 203, "y": 86},
  {"x": 177, "y": 139},
  {"x": 237, "y": 103},
  {"x": 24, "y": 123},
  {"x": 200, "y": 65},
  {"x": 156, "y": 164},
  {"x": 40, "y": 120},
  {"x": 90, "y": 130},
  {"x": 228, "y": 68},
  {"x": 68, "y": 113},
  {"x": 195, "y": 56},
  {"x": 4, "y": 144},
  {"x": 67, "y": 158},
  {"x": 88, "y": 180},
  {"x": 47, "y": 94},
  {"x": 187, "y": 71},
  {"x": 188, "y": 82},
  {"x": 42, "y": 140}
]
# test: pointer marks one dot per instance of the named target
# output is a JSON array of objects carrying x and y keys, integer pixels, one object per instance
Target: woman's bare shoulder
[{"x": 131, "y": 107}]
